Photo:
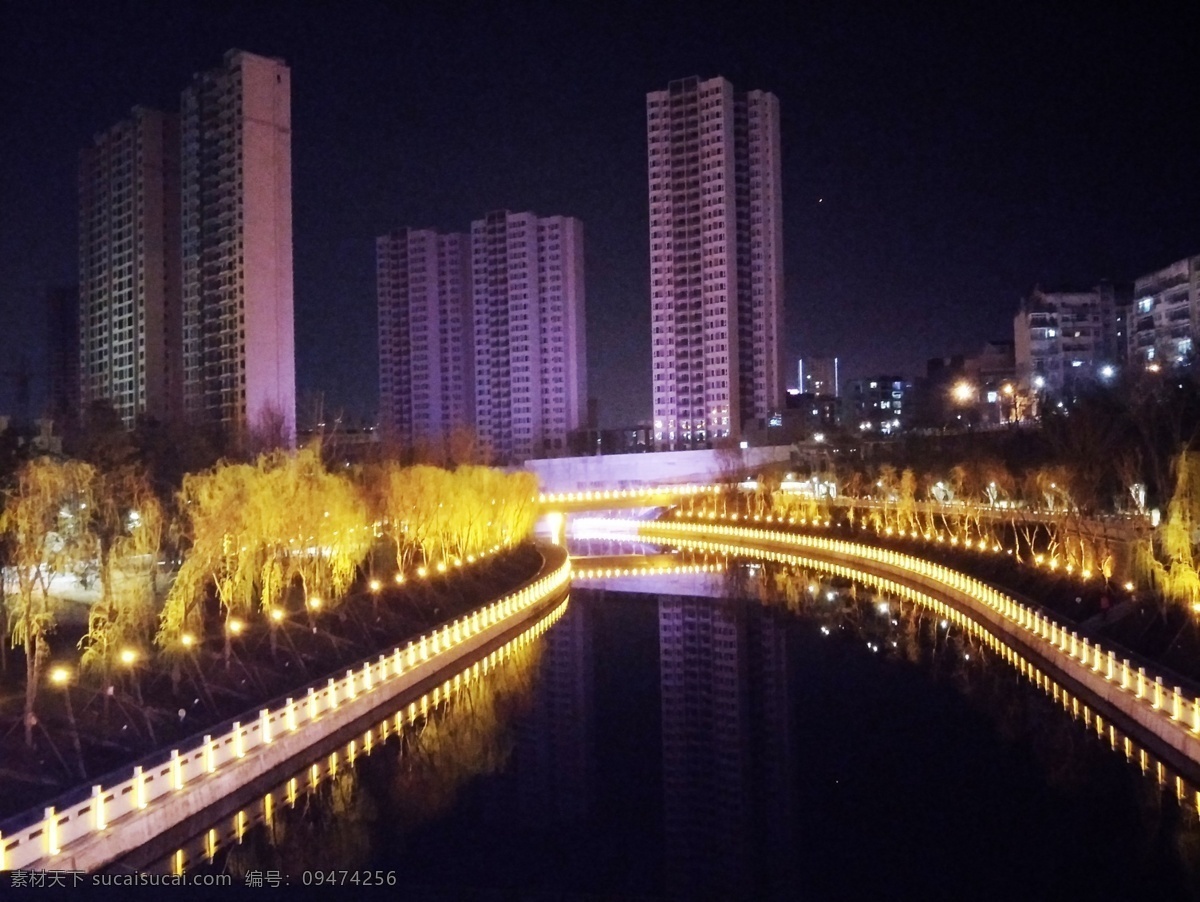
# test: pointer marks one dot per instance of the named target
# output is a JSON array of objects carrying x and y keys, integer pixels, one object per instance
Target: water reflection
[
  {"x": 803, "y": 735},
  {"x": 368, "y": 796},
  {"x": 726, "y": 745}
]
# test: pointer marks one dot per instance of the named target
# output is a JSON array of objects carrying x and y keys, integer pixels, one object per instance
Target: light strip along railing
[
  {"x": 205, "y": 846},
  {"x": 626, "y": 494},
  {"x": 146, "y": 788},
  {"x": 1164, "y": 711}
]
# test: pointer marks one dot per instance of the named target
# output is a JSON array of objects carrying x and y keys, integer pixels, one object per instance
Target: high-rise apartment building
[
  {"x": 237, "y": 324},
  {"x": 426, "y": 359},
  {"x": 716, "y": 264},
  {"x": 486, "y": 331},
  {"x": 528, "y": 319},
  {"x": 129, "y": 302}
]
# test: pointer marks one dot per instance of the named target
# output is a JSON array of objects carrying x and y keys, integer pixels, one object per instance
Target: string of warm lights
[
  {"x": 44, "y": 840},
  {"x": 217, "y": 837},
  {"x": 1162, "y": 710}
]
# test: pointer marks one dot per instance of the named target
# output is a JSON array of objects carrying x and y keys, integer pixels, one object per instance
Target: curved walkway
[
  {"x": 161, "y": 792},
  {"x": 1162, "y": 717}
]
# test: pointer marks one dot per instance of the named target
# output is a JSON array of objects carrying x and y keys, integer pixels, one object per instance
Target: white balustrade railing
[
  {"x": 1176, "y": 715},
  {"x": 147, "y": 785}
]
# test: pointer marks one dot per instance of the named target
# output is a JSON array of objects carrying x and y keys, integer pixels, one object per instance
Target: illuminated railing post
[
  {"x": 1158, "y": 693},
  {"x": 98, "y": 819},
  {"x": 1141, "y": 682},
  {"x": 51, "y": 831}
]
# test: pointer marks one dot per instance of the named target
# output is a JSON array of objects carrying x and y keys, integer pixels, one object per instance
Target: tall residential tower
[
  {"x": 426, "y": 360},
  {"x": 238, "y": 338},
  {"x": 129, "y": 267},
  {"x": 716, "y": 262},
  {"x": 485, "y": 331},
  {"x": 530, "y": 348}
]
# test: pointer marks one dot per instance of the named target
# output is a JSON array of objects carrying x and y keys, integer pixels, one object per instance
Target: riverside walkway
[
  {"x": 1117, "y": 691},
  {"x": 86, "y": 830}
]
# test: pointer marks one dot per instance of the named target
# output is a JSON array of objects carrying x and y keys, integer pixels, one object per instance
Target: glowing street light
[{"x": 61, "y": 677}]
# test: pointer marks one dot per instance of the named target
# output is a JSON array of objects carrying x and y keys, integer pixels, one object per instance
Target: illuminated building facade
[
  {"x": 237, "y": 320},
  {"x": 1164, "y": 319},
  {"x": 128, "y": 351},
  {"x": 1061, "y": 339},
  {"x": 878, "y": 404},
  {"x": 484, "y": 331},
  {"x": 528, "y": 328},
  {"x": 426, "y": 360},
  {"x": 716, "y": 265}
]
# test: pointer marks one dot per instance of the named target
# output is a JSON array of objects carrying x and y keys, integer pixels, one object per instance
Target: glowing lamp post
[{"x": 61, "y": 677}]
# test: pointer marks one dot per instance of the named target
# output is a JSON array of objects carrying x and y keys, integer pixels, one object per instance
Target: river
[{"x": 796, "y": 738}]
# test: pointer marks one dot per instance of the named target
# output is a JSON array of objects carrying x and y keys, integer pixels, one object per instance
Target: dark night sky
[{"x": 961, "y": 156}]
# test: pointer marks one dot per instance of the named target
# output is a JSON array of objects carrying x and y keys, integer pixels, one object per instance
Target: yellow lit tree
[{"x": 45, "y": 523}]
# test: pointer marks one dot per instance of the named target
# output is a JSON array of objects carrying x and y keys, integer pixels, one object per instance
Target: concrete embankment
[
  {"x": 1160, "y": 711},
  {"x": 189, "y": 784}
]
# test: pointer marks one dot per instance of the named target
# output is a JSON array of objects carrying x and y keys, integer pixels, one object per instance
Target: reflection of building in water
[
  {"x": 555, "y": 740},
  {"x": 726, "y": 747}
]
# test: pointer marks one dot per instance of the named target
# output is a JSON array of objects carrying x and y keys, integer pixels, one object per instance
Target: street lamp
[{"x": 61, "y": 677}]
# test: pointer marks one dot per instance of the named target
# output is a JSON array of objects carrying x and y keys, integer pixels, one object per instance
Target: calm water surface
[{"x": 670, "y": 745}]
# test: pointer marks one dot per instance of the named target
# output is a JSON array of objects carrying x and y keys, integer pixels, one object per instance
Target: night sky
[{"x": 937, "y": 165}]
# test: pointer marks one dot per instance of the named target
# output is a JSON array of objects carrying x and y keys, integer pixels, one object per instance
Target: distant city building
[
  {"x": 237, "y": 307},
  {"x": 817, "y": 376},
  {"x": 485, "y": 332},
  {"x": 716, "y": 262},
  {"x": 129, "y": 301},
  {"x": 185, "y": 256},
  {"x": 1165, "y": 317},
  {"x": 1061, "y": 339},
  {"x": 530, "y": 351},
  {"x": 426, "y": 351},
  {"x": 878, "y": 404}
]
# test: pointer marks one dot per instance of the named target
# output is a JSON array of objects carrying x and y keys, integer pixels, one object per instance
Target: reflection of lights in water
[
  {"x": 234, "y": 829},
  {"x": 1154, "y": 692}
]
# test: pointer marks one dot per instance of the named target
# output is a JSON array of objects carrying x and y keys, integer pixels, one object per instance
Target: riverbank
[{"x": 84, "y": 731}]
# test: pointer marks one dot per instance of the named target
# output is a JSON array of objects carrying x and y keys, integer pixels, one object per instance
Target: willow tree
[
  {"x": 127, "y": 524},
  {"x": 255, "y": 530},
  {"x": 307, "y": 525},
  {"x": 432, "y": 515},
  {"x": 44, "y": 521},
  {"x": 1168, "y": 558}
]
